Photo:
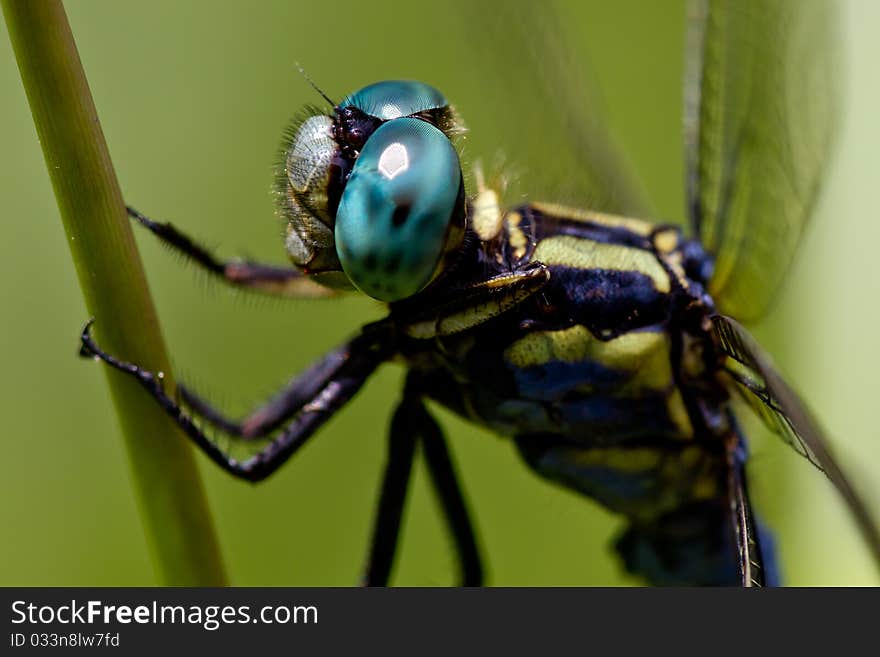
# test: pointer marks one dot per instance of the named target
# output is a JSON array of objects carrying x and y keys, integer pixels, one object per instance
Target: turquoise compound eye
[
  {"x": 393, "y": 99},
  {"x": 401, "y": 210}
]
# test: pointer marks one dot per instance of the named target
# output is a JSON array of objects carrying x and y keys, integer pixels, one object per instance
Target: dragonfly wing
[
  {"x": 760, "y": 106},
  {"x": 546, "y": 106},
  {"x": 787, "y": 415}
]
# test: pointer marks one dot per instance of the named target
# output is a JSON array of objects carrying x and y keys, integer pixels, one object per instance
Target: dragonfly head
[{"x": 373, "y": 194}]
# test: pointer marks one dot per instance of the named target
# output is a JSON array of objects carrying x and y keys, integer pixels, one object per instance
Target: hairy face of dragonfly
[
  {"x": 603, "y": 346},
  {"x": 373, "y": 194}
]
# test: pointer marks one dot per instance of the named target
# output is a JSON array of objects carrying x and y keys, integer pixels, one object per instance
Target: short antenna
[{"x": 314, "y": 86}]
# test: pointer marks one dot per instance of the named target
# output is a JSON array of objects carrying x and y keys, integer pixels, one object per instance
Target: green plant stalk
[{"x": 170, "y": 494}]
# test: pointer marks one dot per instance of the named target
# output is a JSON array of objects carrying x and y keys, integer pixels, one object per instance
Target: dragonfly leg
[
  {"x": 395, "y": 482},
  {"x": 435, "y": 315},
  {"x": 329, "y": 395},
  {"x": 756, "y": 552},
  {"x": 281, "y": 407},
  {"x": 411, "y": 422},
  {"x": 268, "y": 279},
  {"x": 443, "y": 475}
]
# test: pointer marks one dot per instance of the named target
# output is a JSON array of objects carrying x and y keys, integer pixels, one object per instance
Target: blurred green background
[{"x": 193, "y": 98}]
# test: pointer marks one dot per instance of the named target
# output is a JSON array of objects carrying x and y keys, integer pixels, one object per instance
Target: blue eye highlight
[
  {"x": 393, "y": 99},
  {"x": 401, "y": 210}
]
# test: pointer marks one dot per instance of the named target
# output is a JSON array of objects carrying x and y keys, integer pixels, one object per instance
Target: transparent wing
[
  {"x": 760, "y": 102},
  {"x": 556, "y": 146},
  {"x": 787, "y": 415}
]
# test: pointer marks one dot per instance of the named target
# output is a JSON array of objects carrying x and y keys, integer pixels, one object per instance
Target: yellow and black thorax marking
[
  {"x": 602, "y": 375},
  {"x": 595, "y": 356}
]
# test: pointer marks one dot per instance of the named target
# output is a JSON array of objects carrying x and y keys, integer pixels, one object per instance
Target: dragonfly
[{"x": 608, "y": 348}]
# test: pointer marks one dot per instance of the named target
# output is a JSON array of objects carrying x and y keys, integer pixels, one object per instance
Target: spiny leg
[
  {"x": 756, "y": 557},
  {"x": 365, "y": 355},
  {"x": 269, "y": 279},
  {"x": 281, "y": 407},
  {"x": 748, "y": 543}
]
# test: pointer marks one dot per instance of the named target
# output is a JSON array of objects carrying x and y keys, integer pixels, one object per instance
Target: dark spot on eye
[
  {"x": 392, "y": 264},
  {"x": 400, "y": 215},
  {"x": 370, "y": 262}
]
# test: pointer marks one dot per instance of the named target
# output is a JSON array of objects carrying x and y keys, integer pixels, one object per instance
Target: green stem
[{"x": 171, "y": 498}]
